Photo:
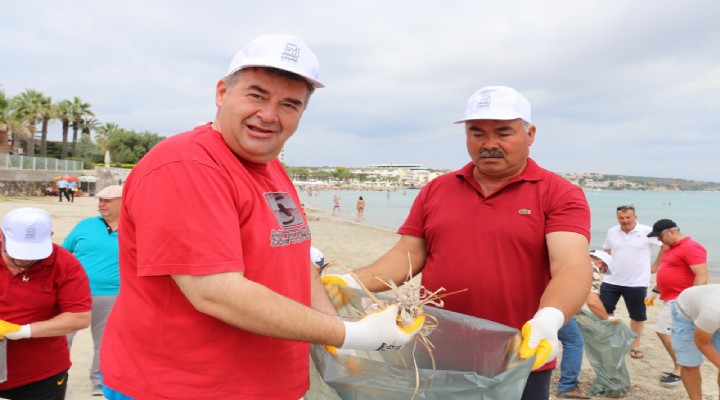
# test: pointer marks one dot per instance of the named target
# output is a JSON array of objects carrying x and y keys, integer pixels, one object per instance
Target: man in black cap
[{"x": 683, "y": 263}]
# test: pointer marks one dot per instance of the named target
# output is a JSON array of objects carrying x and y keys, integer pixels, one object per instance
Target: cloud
[{"x": 617, "y": 87}]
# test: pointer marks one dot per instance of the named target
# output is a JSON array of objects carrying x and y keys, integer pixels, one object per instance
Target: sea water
[{"x": 695, "y": 213}]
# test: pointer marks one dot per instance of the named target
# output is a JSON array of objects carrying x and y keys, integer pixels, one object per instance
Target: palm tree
[
  {"x": 46, "y": 112},
  {"x": 80, "y": 110},
  {"x": 65, "y": 115},
  {"x": 103, "y": 132},
  {"x": 27, "y": 106},
  {"x": 4, "y": 122},
  {"x": 87, "y": 125}
]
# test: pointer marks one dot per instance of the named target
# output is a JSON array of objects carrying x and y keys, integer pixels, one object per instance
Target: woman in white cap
[
  {"x": 44, "y": 295},
  {"x": 94, "y": 241}
]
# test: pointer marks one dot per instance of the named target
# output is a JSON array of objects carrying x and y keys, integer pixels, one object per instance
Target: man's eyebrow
[{"x": 257, "y": 88}]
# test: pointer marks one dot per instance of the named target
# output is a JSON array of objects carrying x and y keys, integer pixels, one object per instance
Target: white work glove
[
  {"x": 331, "y": 283},
  {"x": 540, "y": 336},
  {"x": 23, "y": 333},
  {"x": 379, "y": 331}
]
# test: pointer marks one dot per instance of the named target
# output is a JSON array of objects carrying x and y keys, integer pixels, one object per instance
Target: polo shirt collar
[{"x": 531, "y": 173}]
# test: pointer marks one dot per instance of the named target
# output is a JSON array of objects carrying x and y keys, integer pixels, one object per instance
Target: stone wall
[
  {"x": 20, "y": 182},
  {"x": 25, "y": 182}
]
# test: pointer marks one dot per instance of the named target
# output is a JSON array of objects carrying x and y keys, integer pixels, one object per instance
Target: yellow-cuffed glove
[
  {"x": 331, "y": 283},
  {"x": 540, "y": 336},
  {"x": 13, "y": 331}
]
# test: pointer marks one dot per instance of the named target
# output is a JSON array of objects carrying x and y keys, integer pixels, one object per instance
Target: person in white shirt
[
  {"x": 696, "y": 333},
  {"x": 631, "y": 252}
]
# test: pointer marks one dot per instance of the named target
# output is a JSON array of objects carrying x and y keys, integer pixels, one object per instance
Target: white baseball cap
[
  {"x": 602, "y": 255},
  {"x": 285, "y": 52},
  {"x": 497, "y": 102},
  {"x": 27, "y": 233}
]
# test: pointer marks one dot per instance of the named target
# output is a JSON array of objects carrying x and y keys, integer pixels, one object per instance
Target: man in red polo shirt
[
  {"x": 514, "y": 234},
  {"x": 683, "y": 263},
  {"x": 44, "y": 295}
]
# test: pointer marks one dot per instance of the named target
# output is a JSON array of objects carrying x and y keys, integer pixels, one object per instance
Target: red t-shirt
[
  {"x": 674, "y": 274},
  {"x": 55, "y": 285},
  {"x": 494, "y": 246},
  {"x": 192, "y": 207}
]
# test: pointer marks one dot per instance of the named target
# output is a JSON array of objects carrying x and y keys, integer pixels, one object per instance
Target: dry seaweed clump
[{"x": 410, "y": 297}]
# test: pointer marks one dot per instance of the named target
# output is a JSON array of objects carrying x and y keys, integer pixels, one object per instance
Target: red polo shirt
[
  {"x": 56, "y": 285},
  {"x": 494, "y": 245},
  {"x": 674, "y": 274}
]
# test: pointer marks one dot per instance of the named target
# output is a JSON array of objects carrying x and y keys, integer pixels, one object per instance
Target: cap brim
[
  {"x": 653, "y": 234},
  {"x": 28, "y": 251},
  {"x": 316, "y": 84},
  {"x": 495, "y": 117}
]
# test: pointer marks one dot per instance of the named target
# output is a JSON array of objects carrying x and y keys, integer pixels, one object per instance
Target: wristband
[{"x": 655, "y": 291}]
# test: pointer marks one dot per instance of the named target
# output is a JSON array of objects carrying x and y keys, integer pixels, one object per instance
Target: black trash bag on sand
[
  {"x": 474, "y": 359},
  {"x": 606, "y": 344}
]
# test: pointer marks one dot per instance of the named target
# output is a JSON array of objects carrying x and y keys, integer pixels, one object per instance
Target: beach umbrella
[
  {"x": 57, "y": 178},
  {"x": 88, "y": 178},
  {"x": 73, "y": 178}
]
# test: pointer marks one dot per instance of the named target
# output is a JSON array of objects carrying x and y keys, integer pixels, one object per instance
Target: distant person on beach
[
  {"x": 683, "y": 263},
  {"x": 696, "y": 333},
  {"x": 572, "y": 340},
  {"x": 601, "y": 261},
  {"x": 360, "y": 207},
  {"x": 218, "y": 297},
  {"x": 72, "y": 188},
  {"x": 63, "y": 189},
  {"x": 516, "y": 235},
  {"x": 44, "y": 295},
  {"x": 336, "y": 204},
  {"x": 631, "y": 249},
  {"x": 94, "y": 241}
]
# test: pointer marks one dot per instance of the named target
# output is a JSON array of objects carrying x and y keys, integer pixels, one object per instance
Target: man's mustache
[{"x": 493, "y": 153}]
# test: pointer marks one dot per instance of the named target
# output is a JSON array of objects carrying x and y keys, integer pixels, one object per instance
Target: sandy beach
[{"x": 357, "y": 245}]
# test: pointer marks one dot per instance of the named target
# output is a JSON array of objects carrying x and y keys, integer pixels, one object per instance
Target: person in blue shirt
[
  {"x": 71, "y": 189},
  {"x": 94, "y": 241}
]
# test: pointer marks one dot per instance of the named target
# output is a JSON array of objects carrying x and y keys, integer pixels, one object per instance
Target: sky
[{"x": 616, "y": 87}]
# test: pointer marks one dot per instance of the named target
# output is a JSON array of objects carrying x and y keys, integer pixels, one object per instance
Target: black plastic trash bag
[
  {"x": 606, "y": 344},
  {"x": 475, "y": 359}
]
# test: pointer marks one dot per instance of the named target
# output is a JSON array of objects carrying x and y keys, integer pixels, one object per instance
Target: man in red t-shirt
[
  {"x": 512, "y": 233},
  {"x": 683, "y": 263},
  {"x": 44, "y": 295},
  {"x": 218, "y": 298}
]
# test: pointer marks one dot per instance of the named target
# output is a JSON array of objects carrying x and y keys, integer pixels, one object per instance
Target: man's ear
[
  {"x": 220, "y": 90},
  {"x": 531, "y": 135}
]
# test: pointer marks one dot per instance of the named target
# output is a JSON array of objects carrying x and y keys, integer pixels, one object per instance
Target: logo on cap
[
  {"x": 484, "y": 102},
  {"x": 291, "y": 53},
  {"x": 30, "y": 233}
]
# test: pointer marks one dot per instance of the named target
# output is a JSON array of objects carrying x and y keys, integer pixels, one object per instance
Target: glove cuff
[
  {"x": 350, "y": 341},
  {"x": 23, "y": 333},
  {"x": 341, "y": 279},
  {"x": 555, "y": 317}
]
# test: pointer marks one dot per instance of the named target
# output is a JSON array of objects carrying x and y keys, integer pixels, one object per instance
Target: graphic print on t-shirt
[{"x": 284, "y": 208}]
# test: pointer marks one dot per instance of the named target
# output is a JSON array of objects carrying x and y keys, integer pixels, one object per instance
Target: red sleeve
[
  {"x": 695, "y": 255},
  {"x": 73, "y": 294},
  {"x": 570, "y": 212},
  {"x": 198, "y": 207}
]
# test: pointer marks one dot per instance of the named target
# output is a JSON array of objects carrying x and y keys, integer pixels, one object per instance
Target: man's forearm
[
  {"x": 60, "y": 325},
  {"x": 250, "y": 306}
]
